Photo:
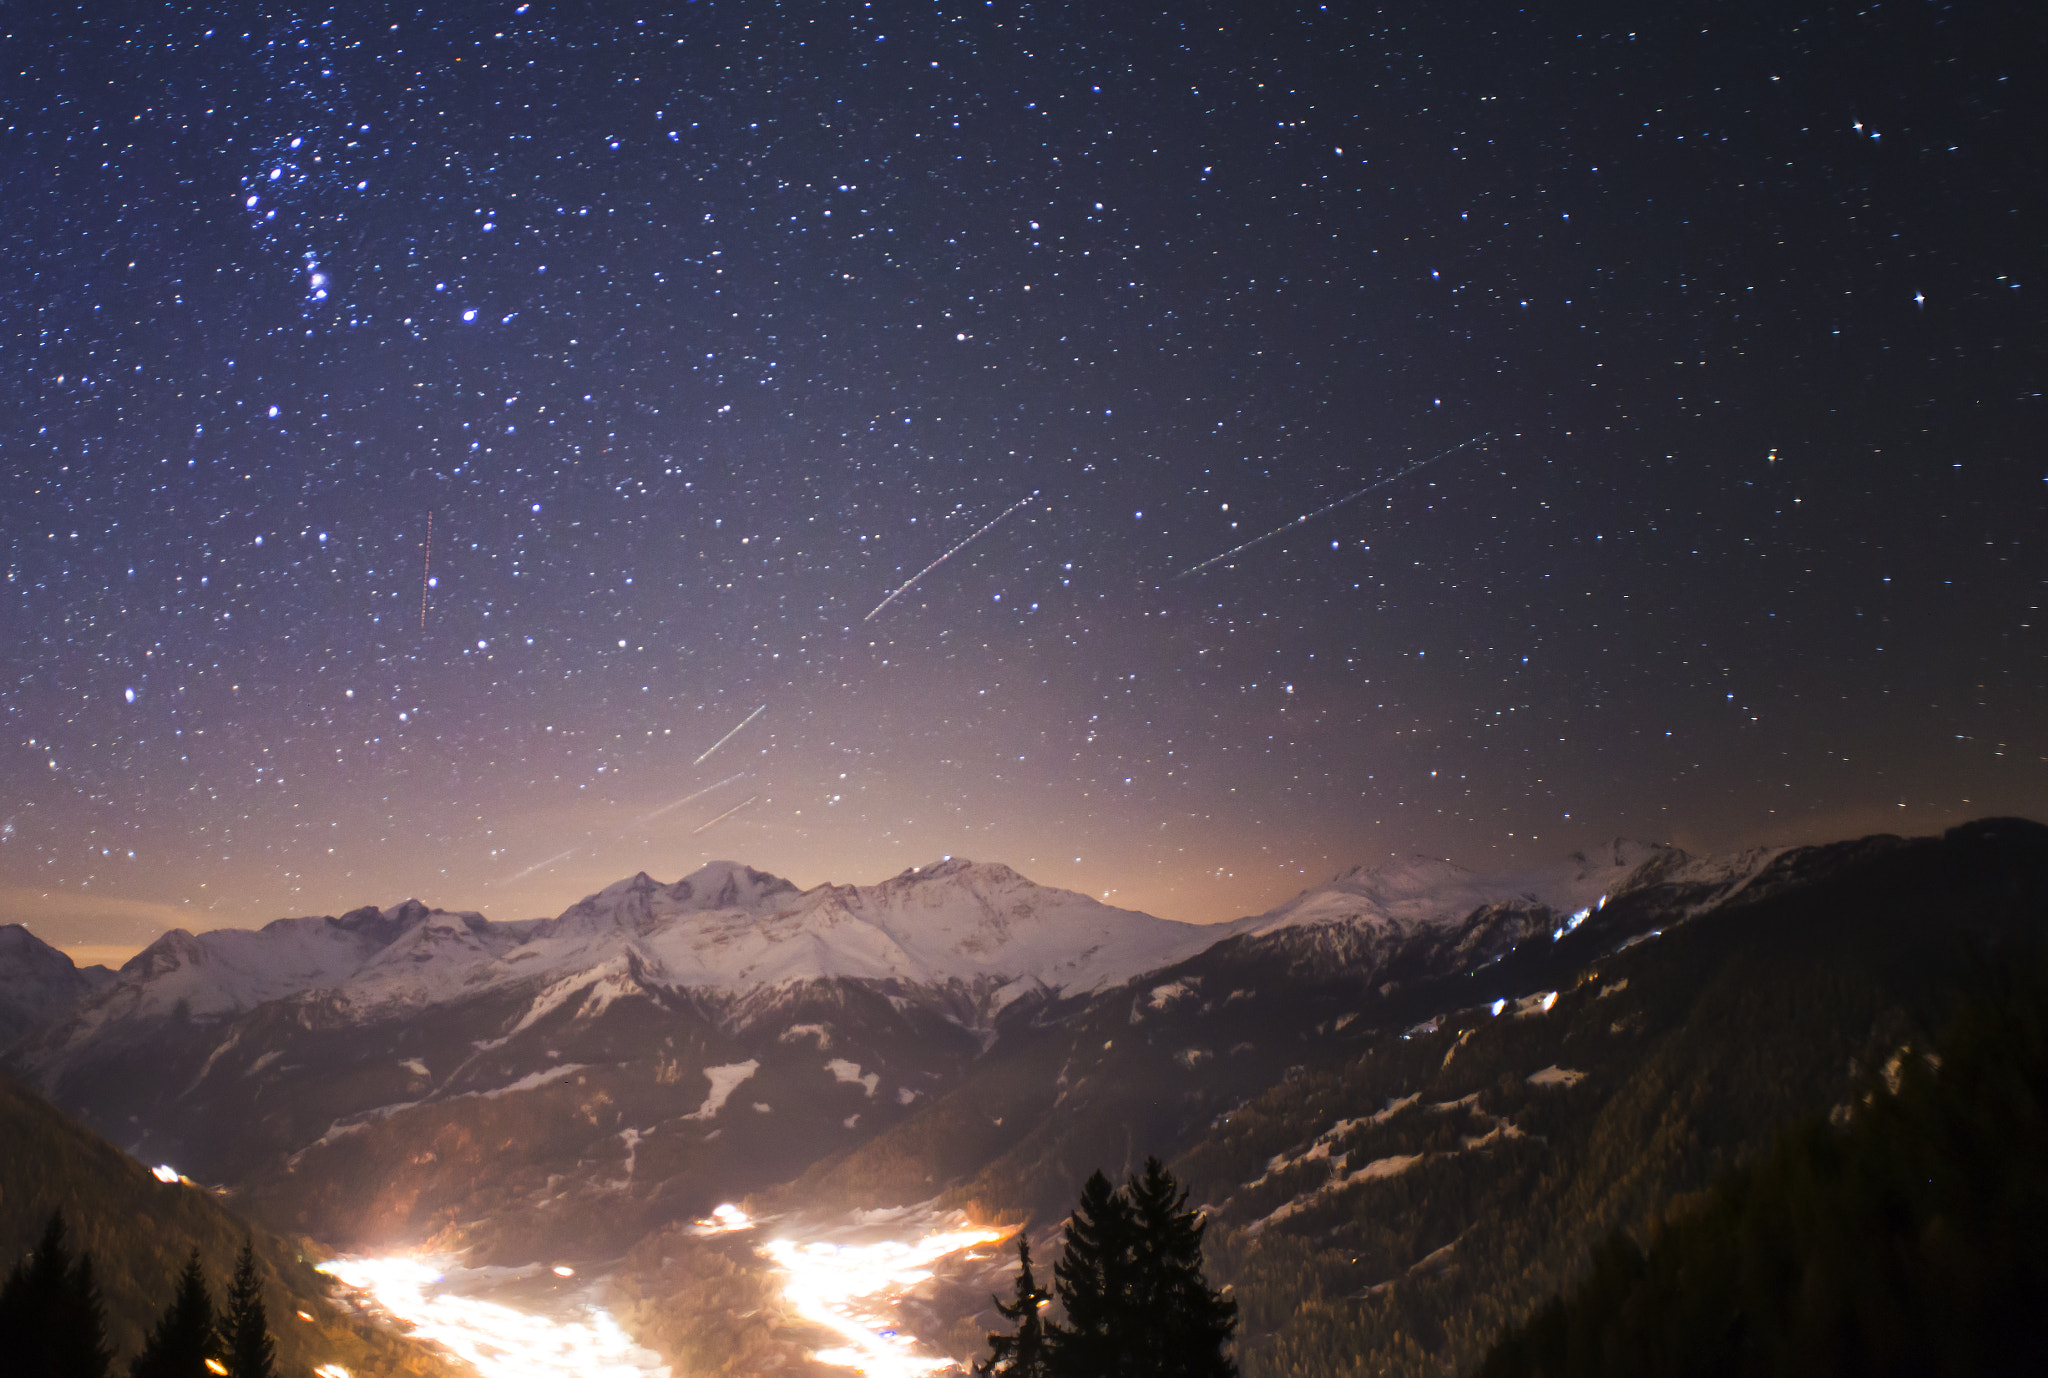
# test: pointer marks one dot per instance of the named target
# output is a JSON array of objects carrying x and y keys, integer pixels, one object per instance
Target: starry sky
[{"x": 428, "y": 433}]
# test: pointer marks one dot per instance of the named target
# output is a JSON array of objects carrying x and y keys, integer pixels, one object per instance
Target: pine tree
[
  {"x": 1092, "y": 1278},
  {"x": 51, "y": 1323},
  {"x": 1023, "y": 1354},
  {"x": 81, "y": 1348},
  {"x": 245, "y": 1332},
  {"x": 185, "y": 1337},
  {"x": 1130, "y": 1284},
  {"x": 1182, "y": 1324}
]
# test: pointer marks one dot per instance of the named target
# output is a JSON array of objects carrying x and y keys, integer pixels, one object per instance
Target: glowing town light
[
  {"x": 850, "y": 1290},
  {"x": 331, "y": 1371},
  {"x": 164, "y": 1172},
  {"x": 497, "y": 1341},
  {"x": 726, "y": 1219},
  {"x": 1498, "y": 1006}
]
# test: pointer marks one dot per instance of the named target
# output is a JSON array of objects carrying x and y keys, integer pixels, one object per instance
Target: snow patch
[
  {"x": 1163, "y": 997},
  {"x": 850, "y": 1072},
  {"x": 1339, "y": 1181},
  {"x": 724, "y": 1081},
  {"x": 531, "y": 1081},
  {"x": 796, "y": 1033},
  {"x": 1555, "y": 1075}
]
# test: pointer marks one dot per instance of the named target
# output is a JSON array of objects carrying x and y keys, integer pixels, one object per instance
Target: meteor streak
[
  {"x": 543, "y": 865},
  {"x": 695, "y": 794},
  {"x": 727, "y": 814},
  {"x": 427, "y": 570},
  {"x": 729, "y": 736},
  {"x": 905, "y": 588},
  {"x": 1328, "y": 507}
]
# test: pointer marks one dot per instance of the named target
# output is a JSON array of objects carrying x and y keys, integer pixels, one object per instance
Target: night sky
[{"x": 1698, "y": 351}]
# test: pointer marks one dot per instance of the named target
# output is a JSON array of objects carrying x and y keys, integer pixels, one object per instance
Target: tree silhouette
[
  {"x": 1093, "y": 1280},
  {"x": 51, "y": 1322},
  {"x": 1131, "y": 1293},
  {"x": 245, "y": 1333},
  {"x": 1176, "y": 1318},
  {"x": 185, "y": 1336},
  {"x": 1022, "y": 1354}
]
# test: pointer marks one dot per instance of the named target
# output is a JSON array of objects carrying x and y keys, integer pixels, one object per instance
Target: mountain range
[{"x": 1387, "y": 1067}]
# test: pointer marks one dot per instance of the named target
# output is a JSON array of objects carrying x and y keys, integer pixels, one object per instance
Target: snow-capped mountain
[
  {"x": 1424, "y": 892},
  {"x": 38, "y": 983},
  {"x": 726, "y": 928},
  {"x": 658, "y": 1044},
  {"x": 1433, "y": 916}
]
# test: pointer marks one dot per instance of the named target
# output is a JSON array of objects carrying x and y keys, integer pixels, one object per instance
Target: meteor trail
[
  {"x": 727, "y": 814},
  {"x": 427, "y": 570},
  {"x": 696, "y": 794},
  {"x": 729, "y": 736},
  {"x": 949, "y": 555},
  {"x": 1333, "y": 506},
  {"x": 543, "y": 865}
]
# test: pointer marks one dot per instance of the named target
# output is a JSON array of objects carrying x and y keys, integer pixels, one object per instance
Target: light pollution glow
[
  {"x": 498, "y": 1341},
  {"x": 851, "y": 1290}
]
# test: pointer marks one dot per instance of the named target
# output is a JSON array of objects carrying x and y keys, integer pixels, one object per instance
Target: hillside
[
  {"x": 1900, "y": 1235},
  {"x": 1412, "y": 1099},
  {"x": 1395, "y": 1170},
  {"x": 140, "y": 1230}
]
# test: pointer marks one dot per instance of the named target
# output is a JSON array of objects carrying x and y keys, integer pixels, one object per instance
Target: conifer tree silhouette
[
  {"x": 245, "y": 1333},
  {"x": 185, "y": 1336},
  {"x": 1023, "y": 1354},
  {"x": 51, "y": 1322},
  {"x": 1092, "y": 1278},
  {"x": 1131, "y": 1289},
  {"x": 1180, "y": 1325}
]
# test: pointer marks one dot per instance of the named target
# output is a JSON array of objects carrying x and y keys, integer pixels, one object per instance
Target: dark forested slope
[{"x": 140, "y": 1231}]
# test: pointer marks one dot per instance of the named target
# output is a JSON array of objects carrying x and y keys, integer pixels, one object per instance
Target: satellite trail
[
  {"x": 729, "y": 736},
  {"x": 949, "y": 555},
  {"x": 727, "y": 814},
  {"x": 1333, "y": 506}
]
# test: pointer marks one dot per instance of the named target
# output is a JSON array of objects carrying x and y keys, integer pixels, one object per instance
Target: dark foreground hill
[
  {"x": 1902, "y": 1236},
  {"x": 140, "y": 1231}
]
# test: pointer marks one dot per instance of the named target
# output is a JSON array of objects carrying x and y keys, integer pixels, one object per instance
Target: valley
[{"x": 723, "y": 1126}]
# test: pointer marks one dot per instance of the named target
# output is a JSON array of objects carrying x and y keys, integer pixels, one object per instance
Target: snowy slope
[
  {"x": 725, "y": 928},
  {"x": 1400, "y": 898},
  {"x": 39, "y": 983},
  {"x": 731, "y": 929}
]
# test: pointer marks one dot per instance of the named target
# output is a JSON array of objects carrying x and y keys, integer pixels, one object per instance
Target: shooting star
[
  {"x": 1329, "y": 507},
  {"x": 729, "y": 736},
  {"x": 427, "y": 570},
  {"x": 542, "y": 865},
  {"x": 646, "y": 818},
  {"x": 949, "y": 554},
  {"x": 727, "y": 814}
]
